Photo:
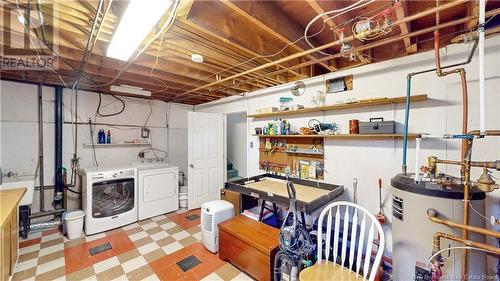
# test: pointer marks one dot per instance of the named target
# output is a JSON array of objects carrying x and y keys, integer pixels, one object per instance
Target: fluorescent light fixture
[
  {"x": 136, "y": 23},
  {"x": 130, "y": 90}
]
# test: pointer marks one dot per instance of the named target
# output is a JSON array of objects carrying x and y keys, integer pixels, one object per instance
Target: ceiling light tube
[
  {"x": 136, "y": 23},
  {"x": 130, "y": 90}
]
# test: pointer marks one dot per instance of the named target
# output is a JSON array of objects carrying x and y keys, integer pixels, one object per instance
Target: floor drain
[
  {"x": 192, "y": 217},
  {"x": 99, "y": 249},
  {"x": 188, "y": 263}
]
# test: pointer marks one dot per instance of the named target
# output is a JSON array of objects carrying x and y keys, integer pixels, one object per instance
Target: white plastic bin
[
  {"x": 74, "y": 223},
  {"x": 183, "y": 197}
]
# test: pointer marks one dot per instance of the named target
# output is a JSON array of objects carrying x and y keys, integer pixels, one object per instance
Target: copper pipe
[
  {"x": 468, "y": 227},
  {"x": 437, "y": 57},
  {"x": 332, "y": 44},
  {"x": 437, "y": 243},
  {"x": 461, "y": 71},
  {"x": 465, "y": 109},
  {"x": 480, "y": 164},
  {"x": 450, "y": 162},
  {"x": 368, "y": 46},
  {"x": 465, "y": 170},
  {"x": 488, "y": 133},
  {"x": 465, "y": 233}
]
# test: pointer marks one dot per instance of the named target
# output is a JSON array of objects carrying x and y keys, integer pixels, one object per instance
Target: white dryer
[
  {"x": 158, "y": 189},
  {"x": 109, "y": 198}
]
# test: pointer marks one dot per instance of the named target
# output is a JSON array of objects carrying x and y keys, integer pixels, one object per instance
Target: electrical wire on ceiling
[
  {"x": 96, "y": 84},
  {"x": 338, "y": 27},
  {"x": 90, "y": 43},
  {"x": 280, "y": 71},
  {"x": 382, "y": 29},
  {"x": 168, "y": 23},
  {"x": 249, "y": 60},
  {"x": 34, "y": 46},
  {"x": 397, "y": 54},
  {"x": 157, "y": 54},
  {"x": 337, "y": 13}
]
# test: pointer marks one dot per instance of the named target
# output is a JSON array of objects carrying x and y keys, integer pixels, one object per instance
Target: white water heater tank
[
  {"x": 213, "y": 213},
  {"x": 412, "y": 231}
]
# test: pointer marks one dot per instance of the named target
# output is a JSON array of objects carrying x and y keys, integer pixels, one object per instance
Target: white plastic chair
[{"x": 354, "y": 216}]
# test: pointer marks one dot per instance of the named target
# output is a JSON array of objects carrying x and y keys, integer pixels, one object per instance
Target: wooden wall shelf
[
  {"x": 343, "y": 136},
  {"x": 360, "y": 103}
]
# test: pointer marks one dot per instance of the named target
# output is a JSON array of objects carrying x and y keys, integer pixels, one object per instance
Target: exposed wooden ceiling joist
[
  {"x": 230, "y": 35},
  {"x": 265, "y": 15}
]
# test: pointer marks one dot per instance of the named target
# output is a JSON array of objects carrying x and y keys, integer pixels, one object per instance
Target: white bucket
[
  {"x": 74, "y": 224},
  {"x": 183, "y": 197}
]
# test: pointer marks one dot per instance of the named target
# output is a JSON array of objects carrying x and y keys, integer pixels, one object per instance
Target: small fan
[{"x": 298, "y": 88}]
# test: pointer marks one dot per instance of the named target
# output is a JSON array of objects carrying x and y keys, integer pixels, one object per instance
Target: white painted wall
[
  {"x": 19, "y": 131},
  {"x": 369, "y": 160},
  {"x": 178, "y": 136},
  {"x": 237, "y": 141}
]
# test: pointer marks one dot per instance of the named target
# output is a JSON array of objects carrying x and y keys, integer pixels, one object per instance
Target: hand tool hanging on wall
[{"x": 380, "y": 216}]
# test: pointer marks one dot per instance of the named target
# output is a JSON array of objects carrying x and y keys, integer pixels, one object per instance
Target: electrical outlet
[
  {"x": 145, "y": 132},
  {"x": 494, "y": 220}
]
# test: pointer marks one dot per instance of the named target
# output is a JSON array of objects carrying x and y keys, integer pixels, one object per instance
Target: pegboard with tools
[{"x": 294, "y": 156}]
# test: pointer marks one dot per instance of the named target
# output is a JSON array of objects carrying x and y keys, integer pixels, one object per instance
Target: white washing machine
[
  {"x": 109, "y": 198},
  {"x": 158, "y": 188}
]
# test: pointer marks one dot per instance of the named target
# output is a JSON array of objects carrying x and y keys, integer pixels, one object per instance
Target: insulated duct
[{"x": 44, "y": 225}]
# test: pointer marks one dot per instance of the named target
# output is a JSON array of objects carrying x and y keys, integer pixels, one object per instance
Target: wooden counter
[
  {"x": 9, "y": 230},
  {"x": 249, "y": 245}
]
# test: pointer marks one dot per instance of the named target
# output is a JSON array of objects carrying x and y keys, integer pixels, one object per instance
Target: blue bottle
[{"x": 102, "y": 136}]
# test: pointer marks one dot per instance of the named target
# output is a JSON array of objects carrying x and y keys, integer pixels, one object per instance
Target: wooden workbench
[
  {"x": 278, "y": 187},
  {"x": 311, "y": 195},
  {"x": 9, "y": 230}
]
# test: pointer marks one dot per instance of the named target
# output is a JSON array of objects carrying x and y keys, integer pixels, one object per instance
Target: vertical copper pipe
[
  {"x": 465, "y": 232},
  {"x": 465, "y": 109},
  {"x": 465, "y": 170},
  {"x": 437, "y": 58}
]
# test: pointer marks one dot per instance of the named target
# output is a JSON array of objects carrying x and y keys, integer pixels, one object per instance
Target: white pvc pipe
[
  {"x": 482, "y": 102},
  {"x": 417, "y": 153}
]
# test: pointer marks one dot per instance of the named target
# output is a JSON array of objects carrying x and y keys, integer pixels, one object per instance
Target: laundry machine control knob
[{"x": 115, "y": 175}]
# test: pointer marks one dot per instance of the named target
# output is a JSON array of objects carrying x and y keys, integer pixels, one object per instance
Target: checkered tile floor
[{"x": 152, "y": 249}]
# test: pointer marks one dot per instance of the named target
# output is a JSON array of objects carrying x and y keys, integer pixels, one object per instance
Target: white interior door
[{"x": 205, "y": 157}]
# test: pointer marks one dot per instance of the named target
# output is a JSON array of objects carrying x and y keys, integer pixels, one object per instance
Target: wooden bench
[{"x": 249, "y": 245}]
